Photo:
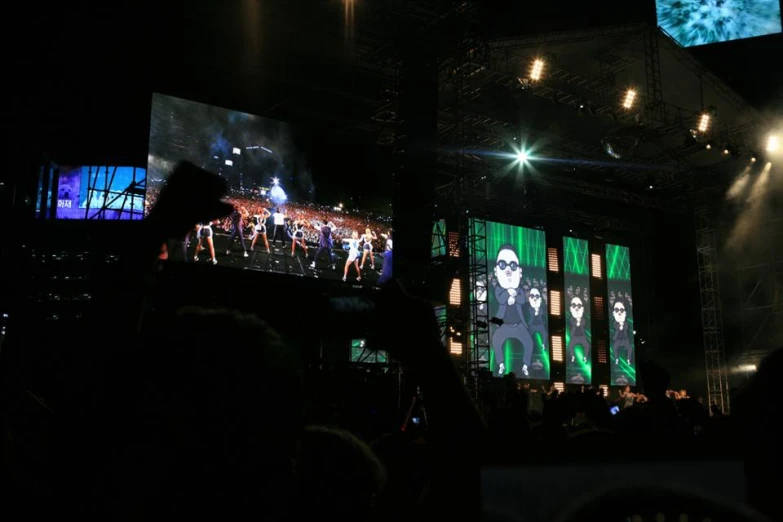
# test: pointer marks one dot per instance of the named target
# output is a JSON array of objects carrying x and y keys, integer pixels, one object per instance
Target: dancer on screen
[
  {"x": 367, "y": 239},
  {"x": 621, "y": 339},
  {"x": 510, "y": 297},
  {"x": 279, "y": 221},
  {"x": 205, "y": 240},
  {"x": 576, "y": 325},
  {"x": 325, "y": 241},
  {"x": 536, "y": 316},
  {"x": 237, "y": 231},
  {"x": 386, "y": 267},
  {"x": 297, "y": 238},
  {"x": 353, "y": 256},
  {"x": 259, "y": 229}
]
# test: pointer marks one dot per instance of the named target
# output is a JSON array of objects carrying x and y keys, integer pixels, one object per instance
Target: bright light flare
[
  {"x": 537, "y": 69},
  {"x": 522, "y": 156},
  {"x": 630, "y": 98},
  {"x": 704, "y": 122},
  {"x": 773, "y": 144},
  {"x": 275, "y": 181}
]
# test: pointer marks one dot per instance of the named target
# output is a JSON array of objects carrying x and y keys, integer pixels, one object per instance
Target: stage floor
[{"x": 280, "y": 261}]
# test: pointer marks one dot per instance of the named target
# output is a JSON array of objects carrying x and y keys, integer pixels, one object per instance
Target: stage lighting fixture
[
  {"x": 753, "y": 158},
  {"x": 630, "y": 97},
  {"x": 522, "y": 156},
  {"x": 773, "y": 144},
  {"x": 275, "y": 181},
  {"x": 704, "y": 122},
  {"x": 710, "y": 145},
  {"x": 726, "y": 150},
  {"x": 537, "y": 69}
]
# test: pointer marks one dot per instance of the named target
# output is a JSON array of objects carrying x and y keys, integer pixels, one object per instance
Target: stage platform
[{"x": 280, "y": 261}]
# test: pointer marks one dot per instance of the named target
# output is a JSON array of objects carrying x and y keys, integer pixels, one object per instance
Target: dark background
[{"x": 84, "y": 72}]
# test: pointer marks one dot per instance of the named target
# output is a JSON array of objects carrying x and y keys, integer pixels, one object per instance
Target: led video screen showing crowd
[
  {"x": 702, "y": 22},
  {"x": 100, "y": 192},
  {"x": 578, "y": 330},
  {"x": 279, "y": 224},
  {"x": 517, "y": 301},
  {"x": 621, "y": 324}
]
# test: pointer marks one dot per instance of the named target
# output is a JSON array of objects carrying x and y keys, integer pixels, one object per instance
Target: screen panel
[
  {"x": 289, "y": 218},
  {"x": 702, "y": 22},
  {"x": 621, "y": 324},
  {"x": 578, "y": 330},
  {"x": 360, "y": 353},
  {"x": 517, "y": 300},
  {"x": 439, "y": 242},
  {"x": 101, "y": 192}
]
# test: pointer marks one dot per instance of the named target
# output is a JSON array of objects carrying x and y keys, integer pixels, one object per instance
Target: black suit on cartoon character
[{"x": 510, "y": 298}]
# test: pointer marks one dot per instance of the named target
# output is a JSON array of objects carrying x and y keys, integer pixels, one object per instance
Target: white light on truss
[
  {"x": 773, "y": 144},
  {"x": 630, "y": 98},
  {"x": 704, "y": 122},
  {"x": 537, "y": 69}
]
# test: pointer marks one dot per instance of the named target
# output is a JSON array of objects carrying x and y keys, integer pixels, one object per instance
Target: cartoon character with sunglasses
[
  {"x": 510, "y": 298},
  {"x": 621, "y": 336},
  {"x": 576, "y": 324}
]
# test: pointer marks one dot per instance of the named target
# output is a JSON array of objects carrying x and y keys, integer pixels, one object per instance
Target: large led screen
[
  {"x": 621, "y": 326},
  {"x": 93, "y": 192},
  {"x": 288, "y": 218},
  {"x": 517, "y": 300},
  {"x": 578, "y": 329},
  {"x": 702, "y": 22}
]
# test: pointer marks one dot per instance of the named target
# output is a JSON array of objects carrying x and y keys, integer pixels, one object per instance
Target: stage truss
[
  {"x": 711, "y": 311},
  {"x": 478, "y": 320},
  {"x": 760, "y": 280}
]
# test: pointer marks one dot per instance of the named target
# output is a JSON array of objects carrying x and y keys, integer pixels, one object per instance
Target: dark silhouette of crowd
[{"x": 206, "y": 413}]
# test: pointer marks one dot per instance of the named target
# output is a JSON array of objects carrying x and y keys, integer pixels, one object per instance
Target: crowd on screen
[{"x": 345, "y": 222}]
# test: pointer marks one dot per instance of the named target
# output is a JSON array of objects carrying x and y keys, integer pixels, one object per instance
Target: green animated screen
[
  {"x": 621, "y": 326},
  {"x": 360, "y": 353},
  {"x": 439, "y": 247},
  {"x": 517, "y": 301},
  {"x": 578, "y": 328}
]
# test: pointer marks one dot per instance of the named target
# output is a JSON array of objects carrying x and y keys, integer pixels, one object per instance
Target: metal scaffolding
[
  {"x": 711, "y": 313},
  {"x": 654, "y": 109},
  {"x": 478, "y": 327},
  {"x": 760, "y": 279}
]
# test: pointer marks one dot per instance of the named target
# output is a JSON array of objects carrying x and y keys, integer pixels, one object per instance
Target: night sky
[{"x": 86, "y": 74}]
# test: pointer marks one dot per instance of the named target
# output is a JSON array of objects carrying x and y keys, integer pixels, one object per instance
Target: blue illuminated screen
[
  {"x": 99, "y": 192},
  {"x": 702, "y": 22}
]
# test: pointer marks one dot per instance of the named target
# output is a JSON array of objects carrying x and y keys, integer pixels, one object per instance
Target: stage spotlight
[
  {"x": 630, "y": 97},
  {"x": 753, "y": 158},
  {"x": 773, "y": 144},
  {"x": 537, "y": 69},
  {"x": 704, "y": 123},
  {"x": 710, "y": 145},
  {"x": 275, "y": 181},
  {"x": 522, "y": 156},
  {"x": 726, "y": 150}
]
